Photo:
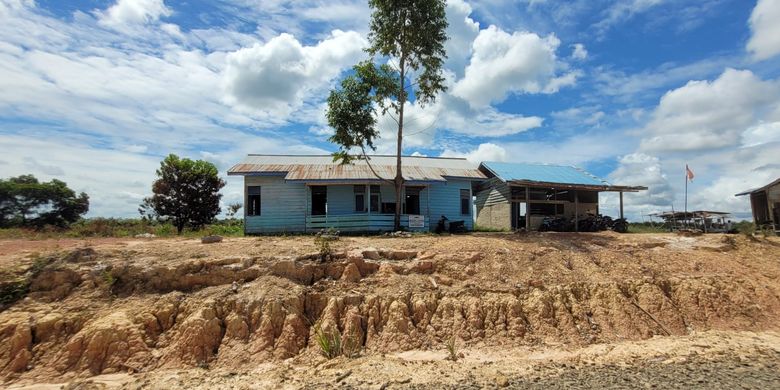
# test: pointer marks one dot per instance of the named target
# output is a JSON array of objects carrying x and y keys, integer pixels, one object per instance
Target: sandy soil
[{"x": 532, "y": 311}]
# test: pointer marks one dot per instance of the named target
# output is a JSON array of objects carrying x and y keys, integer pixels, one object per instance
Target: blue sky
[{"x": 96, "y": 92}]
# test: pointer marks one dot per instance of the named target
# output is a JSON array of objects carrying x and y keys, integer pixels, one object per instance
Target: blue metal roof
[{"x": 542, "y": 173}]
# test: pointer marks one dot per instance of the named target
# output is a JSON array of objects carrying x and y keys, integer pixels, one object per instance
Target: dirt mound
[{"x": 109, "y": 312}]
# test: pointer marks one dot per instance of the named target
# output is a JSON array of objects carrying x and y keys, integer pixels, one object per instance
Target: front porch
[
  {"x": 365, "y": 207},
  {"x": 365, "y": 222}
]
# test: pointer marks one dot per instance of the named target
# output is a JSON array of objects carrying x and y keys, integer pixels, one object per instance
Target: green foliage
[
  {"x": 647, "y": 227},
  {"x": 322, "y": 241},
  {"x": 233, "y": 209},
  {"x": 186, "y": 193},
  {"x": 329, "y": 343},
  {"x": 746, "y": 228},
  {"x": 332, "y": 344},
  {"x": 487, "y": 229},
  {"x": 109, "y": 280},
  {"x": 408, "y": 37},
  {"x": 452, "y": 349},
  {"x": 14, "y": 288},
  {"x": 118, "y": 227},
  {"x": 414, "y": 33},
  {"x": 27, "y": 202}
]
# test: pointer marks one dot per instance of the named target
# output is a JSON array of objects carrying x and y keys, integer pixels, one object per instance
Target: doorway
[{"x": 319, "y": 200}]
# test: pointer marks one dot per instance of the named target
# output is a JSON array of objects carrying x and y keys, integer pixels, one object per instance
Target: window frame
[
  {"x": 251, "y": 210},
  {"x": 467, "y": 198},
  {"x": 359, "y": 191}
]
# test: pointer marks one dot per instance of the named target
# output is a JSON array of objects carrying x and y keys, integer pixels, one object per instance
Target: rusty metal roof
[{"x": 322, "y": 168}]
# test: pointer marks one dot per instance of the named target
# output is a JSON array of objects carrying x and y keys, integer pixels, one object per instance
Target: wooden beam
[
  {"x": 527, "y": 209},
  {"x": 621, "y": 204},
  {"x": 576, "y": 211}
]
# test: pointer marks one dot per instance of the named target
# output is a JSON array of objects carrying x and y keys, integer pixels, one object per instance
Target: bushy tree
[
  {"x": 408, "y": 37},
  {"x": 27, "y": 202},
  {"x": 186, "y": 193}
]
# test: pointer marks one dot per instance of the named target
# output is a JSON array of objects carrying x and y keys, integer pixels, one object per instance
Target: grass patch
[
  {"x": 486, "y": 229},
  {"x": 647, "y": 227},
  {"x": 123, "y": 227}
]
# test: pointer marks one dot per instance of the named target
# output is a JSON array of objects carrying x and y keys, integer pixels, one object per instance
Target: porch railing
[{"x": 360, "y": 222}]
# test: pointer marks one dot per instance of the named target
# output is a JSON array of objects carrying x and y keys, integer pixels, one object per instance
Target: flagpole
[{"x": 685, "y": 212}]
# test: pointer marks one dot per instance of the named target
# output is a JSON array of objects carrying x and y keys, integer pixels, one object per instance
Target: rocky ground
[{"x": 472, "y": 311}]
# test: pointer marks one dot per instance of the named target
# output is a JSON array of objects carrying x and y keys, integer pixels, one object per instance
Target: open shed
[
  {"x": 765, "y": 205},
  {"x": 520, "y": 195}
]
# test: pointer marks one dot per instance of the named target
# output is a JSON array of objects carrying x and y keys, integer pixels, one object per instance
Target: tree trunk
[
  {"x": 399, "y": 178},
  {"x": 179, "y": 228}
]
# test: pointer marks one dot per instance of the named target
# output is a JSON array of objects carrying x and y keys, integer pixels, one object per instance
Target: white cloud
[
  {"x": 762, "y": 133},
  {"x": 462, "y": 31},
  {"x": 125, "y": 12},
  {"x": 643, "y": 170},
  {"x": 765, "y": 25},
  {"x": 708, "y": 115},
  {"x": 277, "y": 76},
  {"x": 623, "y": 10},
  {"x": 579, "y": 52},
  {"x": 484, "y": 152},
  {"x": 504, "y": 63}
]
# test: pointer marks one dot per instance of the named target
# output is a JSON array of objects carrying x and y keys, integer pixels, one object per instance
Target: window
[
  {"x": 412, "y": 201},
  {"x": 375, "y": 199},
  {"x": 253, "y": 201},
  {"x": 465, "y": 202},
  {"x": 360, "y": 199},
  {"x": 319, "y": 200}
]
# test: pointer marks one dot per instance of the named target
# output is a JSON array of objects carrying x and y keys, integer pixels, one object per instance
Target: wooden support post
[
  {"x": 621, "y": 204},
  {"x": 576, "y": 211},
  {"x": 527, "y": 209}
]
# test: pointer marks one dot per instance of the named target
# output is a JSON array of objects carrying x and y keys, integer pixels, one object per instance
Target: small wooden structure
[
  {"x": 704, "y": 220},
  {"x": 765, "y": 205},
  {"x": 518, "y": 195}
]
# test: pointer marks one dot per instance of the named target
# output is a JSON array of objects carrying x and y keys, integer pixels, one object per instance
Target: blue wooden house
[{"x": 304, "y": 193}]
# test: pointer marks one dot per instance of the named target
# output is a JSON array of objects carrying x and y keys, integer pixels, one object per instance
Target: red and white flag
[{"x": 688, "y": 173}]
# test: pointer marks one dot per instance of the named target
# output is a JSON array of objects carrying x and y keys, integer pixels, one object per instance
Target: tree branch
[{"x": 365, "y": 157}]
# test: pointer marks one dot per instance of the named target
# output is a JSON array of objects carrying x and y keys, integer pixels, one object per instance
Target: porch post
[
  {"x": 369, "y": 199},
  {"x": 428, "y": 204},
  {"x": 576, "y": 211},
  {"x": 527, "y": 208},
  {"x": 306, "y": 208},
  {"x": 621, "y": 204}
]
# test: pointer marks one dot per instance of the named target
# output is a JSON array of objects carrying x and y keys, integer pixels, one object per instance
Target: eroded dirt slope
[{"x": 139, "y": 306}]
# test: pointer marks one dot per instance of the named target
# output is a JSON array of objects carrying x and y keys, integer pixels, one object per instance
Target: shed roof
[
  {"x": 546, "y": 175},
  {"x": 322, "y": 168},
  {"x": 776, "y": 182}
]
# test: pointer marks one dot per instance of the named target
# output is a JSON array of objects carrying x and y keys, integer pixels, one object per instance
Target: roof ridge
[{"x": 370, "y": 155}]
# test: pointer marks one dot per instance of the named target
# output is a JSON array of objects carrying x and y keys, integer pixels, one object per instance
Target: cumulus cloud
[
  {"x": 125, "y": 12},
  {"x": 765, "y": 27},
  {"x": 708, "y": 115},
  {"x": 462, "y": 31},
  {"x": 579, "y": 52},
  {"x": 483, "y": 152},
  {"x": 762, "y": 133},
  {"x": 644, "y": 170},
  {"x": 277, "y": 75},
  {"x": 503, "y": 63}
]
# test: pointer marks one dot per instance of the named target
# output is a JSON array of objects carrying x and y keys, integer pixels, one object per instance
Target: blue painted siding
[
  {"x": 445, "y": 200},
  {"x": 341, "y": 200},
  {"x": 285, "y": 206},
  {"x": 282, "y": 206}
]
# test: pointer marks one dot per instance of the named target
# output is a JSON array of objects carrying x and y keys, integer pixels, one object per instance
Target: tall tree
[
  {"x": 409, "y": 38},
  {"x": 186, "y": 193},
  {"x": 27, "y": 202}
]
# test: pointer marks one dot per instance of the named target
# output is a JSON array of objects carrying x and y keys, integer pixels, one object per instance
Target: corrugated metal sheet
[
  {"x": 313, "y": 168},
  {"x": 542, "y": 173}
]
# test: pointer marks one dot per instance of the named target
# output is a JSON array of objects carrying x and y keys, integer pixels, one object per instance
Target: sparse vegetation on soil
[{"x": 518, "y": 310}]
